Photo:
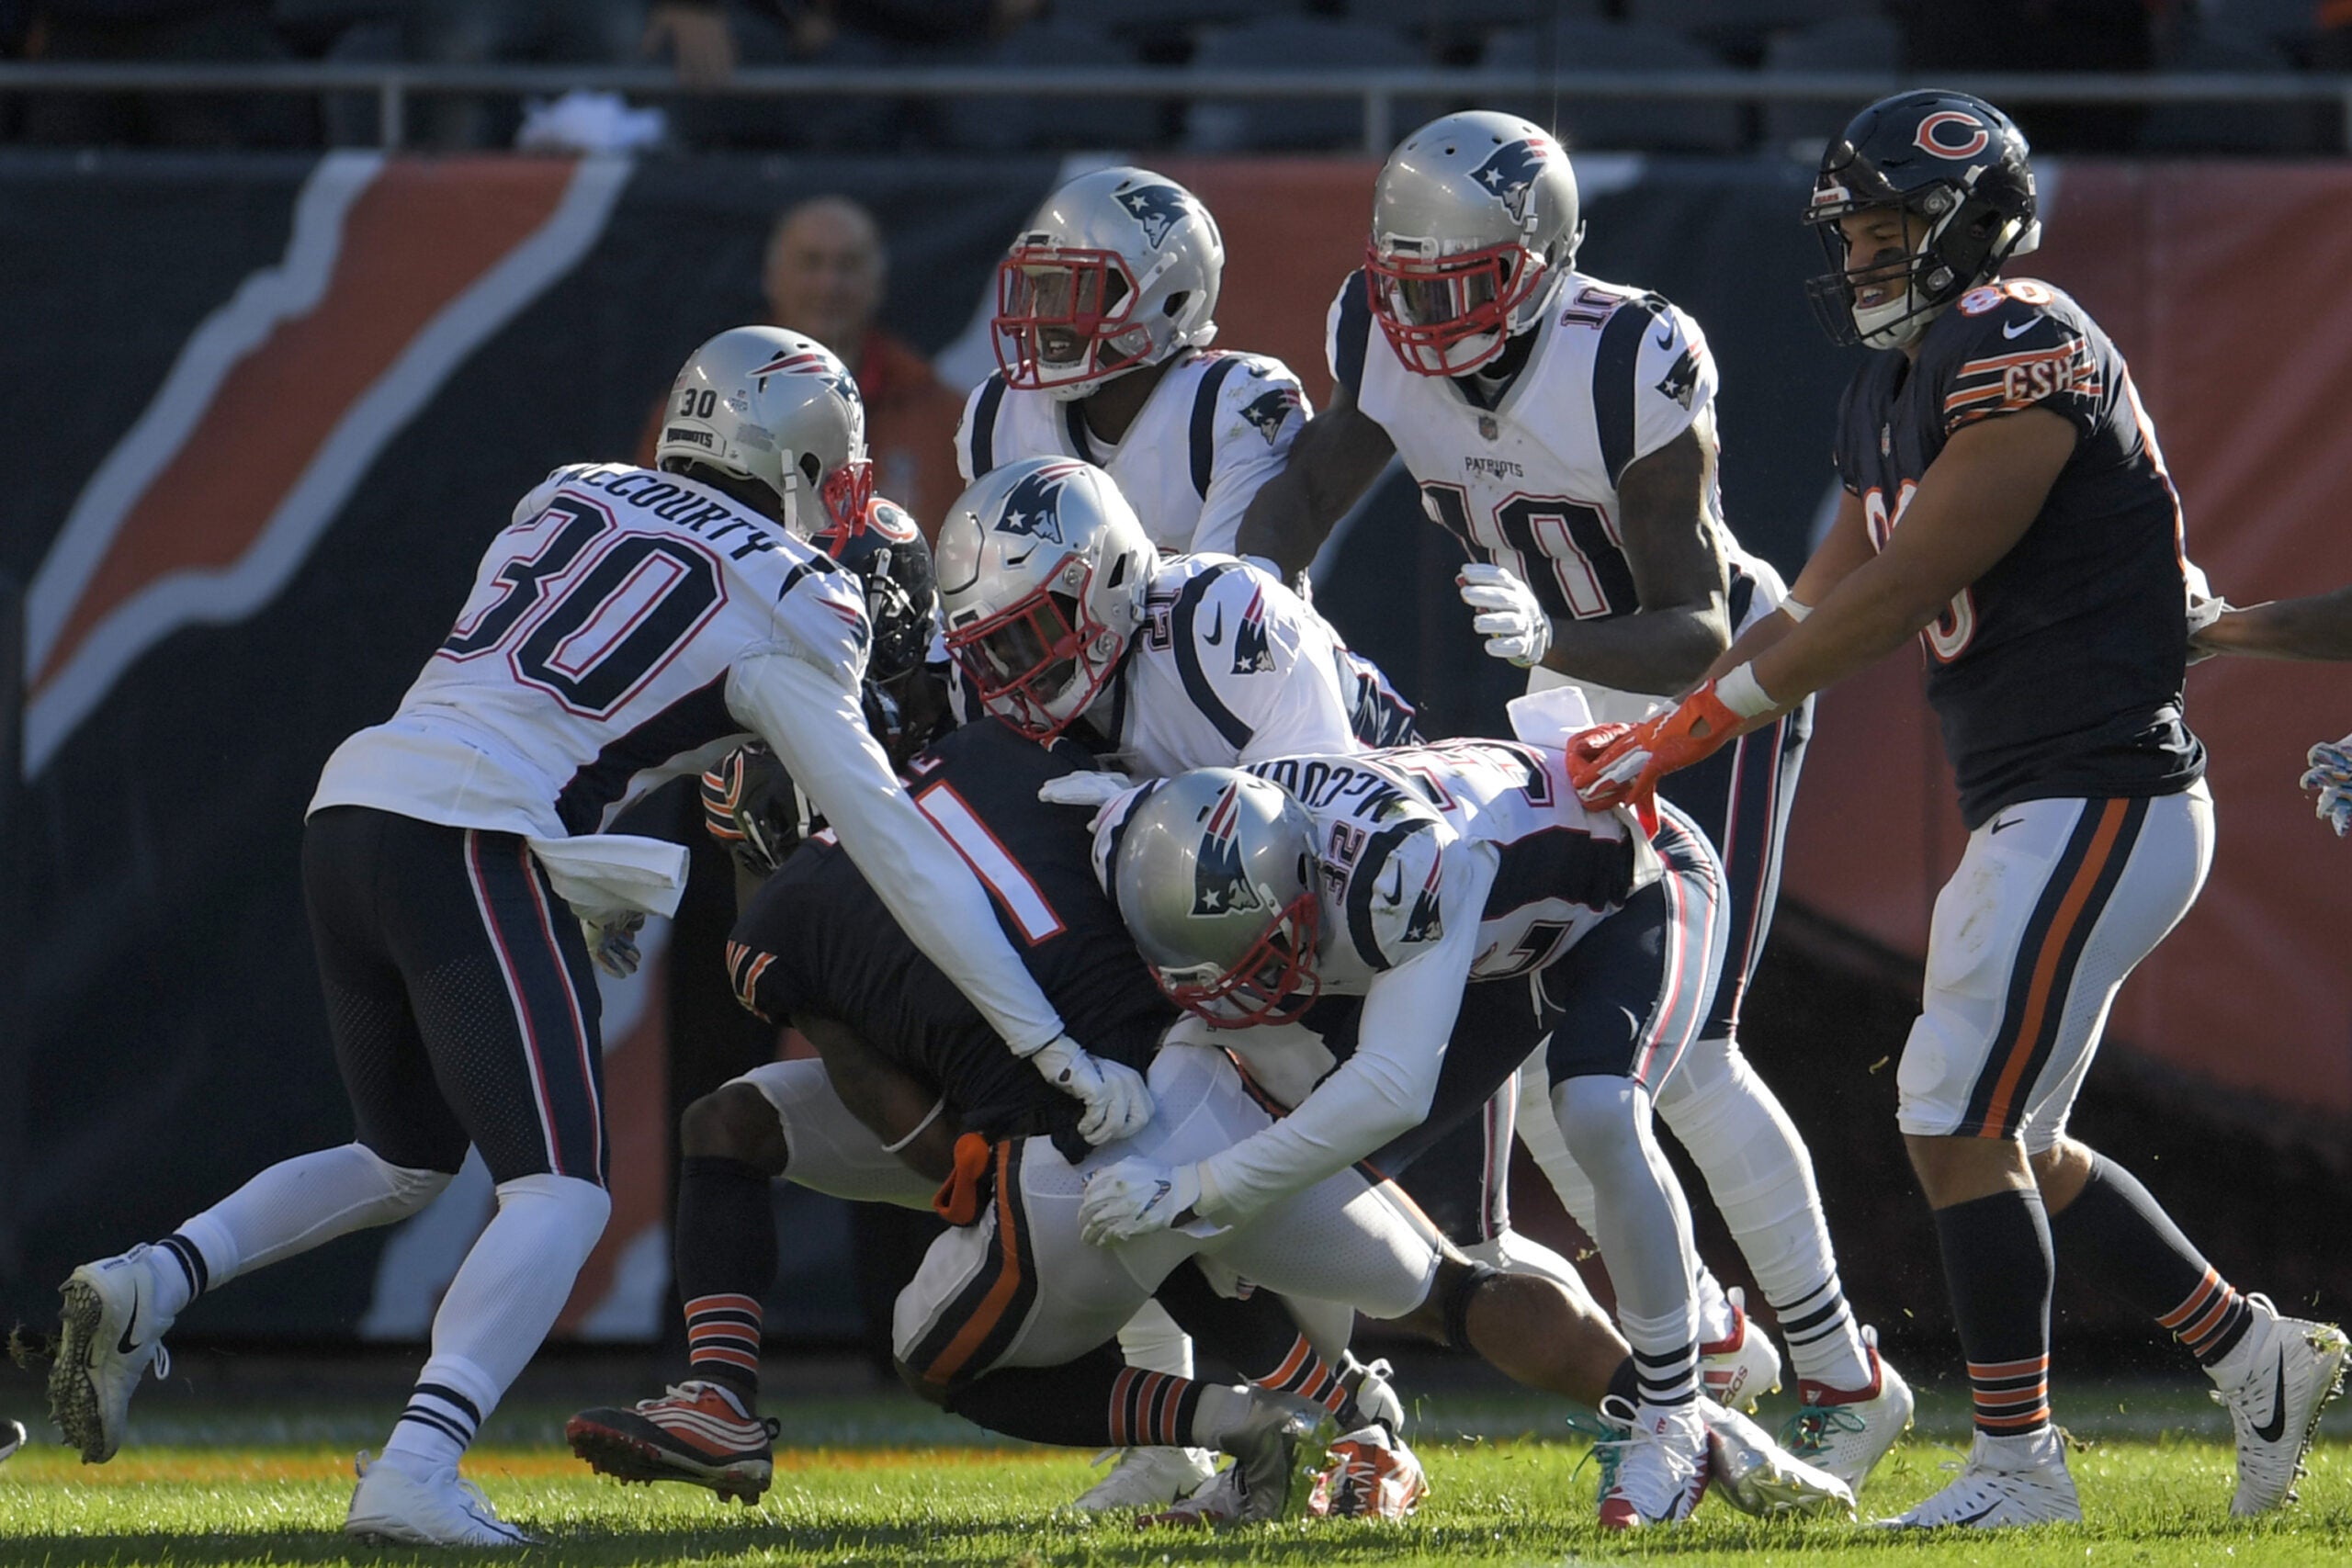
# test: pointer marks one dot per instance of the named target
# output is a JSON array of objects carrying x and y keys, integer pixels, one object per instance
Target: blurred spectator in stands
[
  {"x": 207, "y": 32},
  {"x": 2043, "y": 35},
  {"x": 510, "y": 32},
  {"x": 825, "y": 274}
]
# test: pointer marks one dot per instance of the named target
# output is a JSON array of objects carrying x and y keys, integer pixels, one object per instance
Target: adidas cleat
[
  {"x": 1758, "y": 1476},
  {"x": 110, "y": 1332},
  {"x": 1744, "y": 1365},
  {"x": 1847, "y": 1432},
  {"x": 694, "y": 1433}
]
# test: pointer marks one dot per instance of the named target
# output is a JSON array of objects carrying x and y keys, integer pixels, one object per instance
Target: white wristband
[
  {"x": 936, "y": 1106},
  {"x": 1796, "y": 609},
  {"x": 1739, "y": 691}
]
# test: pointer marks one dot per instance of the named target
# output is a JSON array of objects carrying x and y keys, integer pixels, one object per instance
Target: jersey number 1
[{"x": 588, "y": 618}]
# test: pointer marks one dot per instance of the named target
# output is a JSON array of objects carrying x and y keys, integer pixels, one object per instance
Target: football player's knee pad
[
  {"x": 567, "y": 1213},
  {"x": 1460, "y": 1290}
]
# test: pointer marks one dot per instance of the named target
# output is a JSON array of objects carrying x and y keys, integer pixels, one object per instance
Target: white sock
[
  {"x": 1760, "y": 1176},
  {"x": 1220, "y": 1410},
  {"x": 1151, "y": 1341},
  {"x": 291, "y": 1207},
  {"x": 497, "y": 1311},
  {"x": 1715, "y": 1321}
]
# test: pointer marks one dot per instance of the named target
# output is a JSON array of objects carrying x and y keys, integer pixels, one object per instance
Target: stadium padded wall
[{"x": 270, "y": 411}]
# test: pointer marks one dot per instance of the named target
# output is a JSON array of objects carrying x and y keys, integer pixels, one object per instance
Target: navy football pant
[{"x": 459, "y": 995}]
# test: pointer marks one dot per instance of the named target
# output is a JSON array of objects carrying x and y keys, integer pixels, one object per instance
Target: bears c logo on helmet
[
  {"x": 1155, "y": 209},
  {"x": 1510, "y": 170},
  {"x": 1217, "y": 883},
  {"x": 1033, "y": 507},
  {"x": 1950, "y": 133}
]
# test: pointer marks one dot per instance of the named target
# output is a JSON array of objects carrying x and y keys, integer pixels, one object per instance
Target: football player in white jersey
[
  {"x": 1563, "y": 428},
  {"x": 1106, "y": 304},
  {"x": 1482, "y": 914},
  {"x": 627, "y": 625}
]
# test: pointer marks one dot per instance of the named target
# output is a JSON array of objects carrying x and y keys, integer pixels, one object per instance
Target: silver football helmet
[
  {"x": 1041, "y": 571},
  {"x": 1215, "y": 876},
  {"x": 778, "y": 409},
  {"x": 1118, "y": 269},
  {"x": 1474, "y": 221}
]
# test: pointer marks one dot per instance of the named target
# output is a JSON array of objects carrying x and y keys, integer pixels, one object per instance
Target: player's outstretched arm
[
  {"x": 1845, "y": 546},
  {"x": 814, "y": 725},
  {"x": 2318, "y": 626},
  {"x": 1336, "y": 455}
]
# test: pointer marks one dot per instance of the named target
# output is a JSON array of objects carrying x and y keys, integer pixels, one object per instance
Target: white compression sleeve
[
  {"x": 818, "y": 732},
  {"x": 1382, "y": 1090}
]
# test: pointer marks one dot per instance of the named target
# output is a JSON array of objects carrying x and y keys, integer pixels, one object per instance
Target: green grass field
[{"x": 881, "y": 1480}]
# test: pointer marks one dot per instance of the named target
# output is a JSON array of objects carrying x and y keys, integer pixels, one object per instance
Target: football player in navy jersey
[{"x": 2006, "y": 502}]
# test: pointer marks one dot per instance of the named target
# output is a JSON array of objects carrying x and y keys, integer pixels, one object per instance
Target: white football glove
[
  {"x": 1085, "y": 789},
  {"x": 612, "y": 939},
  {"x": 1117, "y": 1100},
  {"x": 1514, "y": 624},
  {"x": 2331, "y": 775},
  {"x": 1135, "y": 1198},
  {"x": 2203, "y": 611}
]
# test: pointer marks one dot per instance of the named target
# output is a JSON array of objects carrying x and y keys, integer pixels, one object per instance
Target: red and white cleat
[
  {"x": 1744, "y": 1365},
  {"x": 1373, "y": 1476},
  {"x": 695, "y": 1433}
]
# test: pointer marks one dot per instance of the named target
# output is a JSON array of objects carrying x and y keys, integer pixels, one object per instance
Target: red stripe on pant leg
[{"x": 478, "y": 876}]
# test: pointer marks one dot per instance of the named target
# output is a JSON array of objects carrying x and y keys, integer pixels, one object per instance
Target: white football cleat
[
  {"x": 1660, "y": 1470},
  {"x": 1146, "y": 1479},
  {"x": 1373, "y": 1476},
  {"x": 2004, "y": 1483},
  {"x": 1374, "y": 1389},
  {"x": 1758, "y": 1476},
  {"x": 110, "y": 1332},
  {"x": 1744, "y": 1365},
  {"x": 1267, "y": 1478},
  {"x": 1847, "y": 1432},
  {"x": 2281, "y": 1376},
  {"x": 390, "y": 1505},
  {"x": 12, "y": 1437}
]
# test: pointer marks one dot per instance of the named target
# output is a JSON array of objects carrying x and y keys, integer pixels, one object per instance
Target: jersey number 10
[{"x": 1589, "y": 579}]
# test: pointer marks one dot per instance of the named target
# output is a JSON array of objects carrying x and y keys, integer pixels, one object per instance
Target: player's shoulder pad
[
  {"x": 535, "y": 499},
  {"x": 976, "y": 435},
  {"x": 1237, "y": 618},
  {"x": 2008, "y": 345},
  {"x": 1652, "y": 374},
  {"x": 1347, "y": 332},
  {"x": 1674, "y": 364},
  {"x": 821, "y": 616},
  {"x": 1261, "y": 405},
  {"x": 1393, "y": 897}
]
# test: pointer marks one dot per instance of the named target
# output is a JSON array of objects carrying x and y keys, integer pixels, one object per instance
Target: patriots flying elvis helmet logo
[
  {"x": 803, "y": 362},
  {"x": 1155, "y": 209},
  {"x": 1033, "y": 507},
  {"x": 1509, "y": 172},
  {"x": 1218, "y": 886}
]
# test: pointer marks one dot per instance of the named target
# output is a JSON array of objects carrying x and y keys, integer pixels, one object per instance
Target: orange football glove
[{"x": 1627, "y": 768}]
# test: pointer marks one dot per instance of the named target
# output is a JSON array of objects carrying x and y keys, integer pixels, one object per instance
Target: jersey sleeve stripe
[
  {"x": 1228, "y": 724},
  {"x": 1613, "y": 363},
  {"x": 1204, "y": 396},
  {"x": 984, "y": 425},
  {"x": 1362, "y": 881},
  {"x": 1355, "y": 334}
]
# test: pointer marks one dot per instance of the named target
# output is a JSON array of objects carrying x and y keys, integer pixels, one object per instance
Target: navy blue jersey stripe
[
  {"x": 983, "y": 441},
  {"x": 695, "y": 719},
  {"x": 1355, "y": 334},
  {"x": 1612, "y": 380},
  {"x": 1205, "y": 397},
  {"x": 1188, "y": 662},
  {"x": 1360, "y": 884}
]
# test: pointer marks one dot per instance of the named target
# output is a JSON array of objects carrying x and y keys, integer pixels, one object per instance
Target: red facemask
[
  {"x": 1024, "y": 661},
  {"x": 1428, "y": 305},
  {"x": 1061, "y": 317},
  {"x": 1275, "y": 981}
]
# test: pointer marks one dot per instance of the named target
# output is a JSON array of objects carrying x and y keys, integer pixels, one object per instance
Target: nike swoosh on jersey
[
  {"x": 2275, "y": 1427},
  {"x": 2018, "y": 329},
  {"x": 2005, "y": 822},
  {"x": 1395, "y": 893},
  {"x": 1215, "y": 634}
]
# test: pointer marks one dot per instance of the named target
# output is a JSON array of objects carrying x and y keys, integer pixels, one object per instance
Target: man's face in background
[{"x": 825, "y": 270}]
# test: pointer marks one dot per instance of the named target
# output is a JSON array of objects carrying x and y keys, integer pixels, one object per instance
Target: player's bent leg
[
  {"x": 827, "y": 1149},
  {"x": 1144, "y": 1480},
  {"x": 116, "y": 1311}
]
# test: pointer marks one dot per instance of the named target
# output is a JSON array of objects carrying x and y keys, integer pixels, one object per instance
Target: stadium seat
[
  {"x": 1619, "y": 124},
  {"x": 1302, "y": 124},
  {"x": 1017, "y": 125},
  {"x": 2227, "y": 127},
  {"x": 1849, "y": 43},
  {"x": 1740, "y": 27}
]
